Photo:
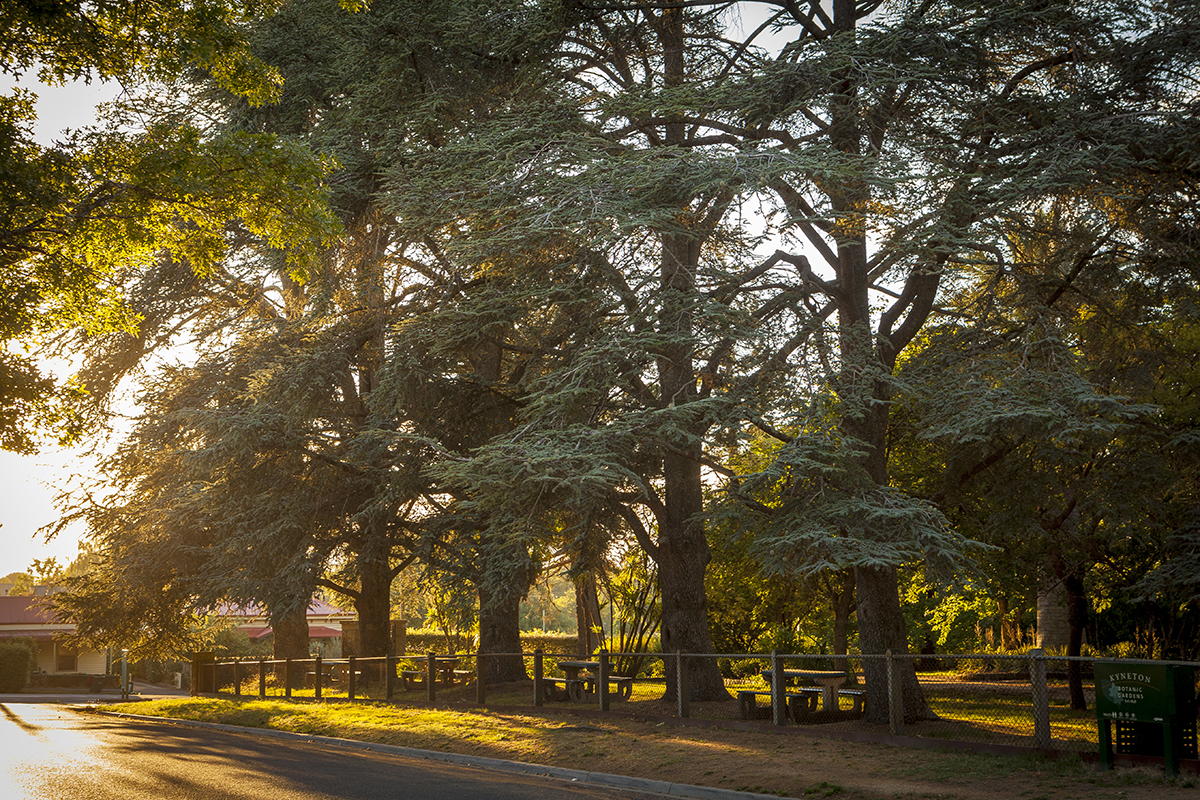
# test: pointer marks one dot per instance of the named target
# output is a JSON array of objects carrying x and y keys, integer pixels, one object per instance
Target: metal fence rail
[{"x": 993, "y": 699}]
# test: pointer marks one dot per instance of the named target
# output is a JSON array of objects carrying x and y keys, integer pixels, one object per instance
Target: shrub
[
  {"x": 422, "y": 640},
  {"x": 70, "y": 680},
  {"x": 15, "y": 665},
  {"x": 560, "y": 643},
  {"x": 30, "y": 645}
]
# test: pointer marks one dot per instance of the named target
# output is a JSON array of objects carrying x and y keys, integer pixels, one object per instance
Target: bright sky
[{"x": 26, "y": 493}]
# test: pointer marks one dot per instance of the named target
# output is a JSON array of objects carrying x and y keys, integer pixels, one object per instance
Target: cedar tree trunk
[
  {"x": 291, "y": 633},
  {"x": 863, "y": 392},
  {"x": 842, "y": 603},
  {"x": 373, "y": 603},
  {"x": 1077, "y": 619},
  {"x": 500, "y": 632}
]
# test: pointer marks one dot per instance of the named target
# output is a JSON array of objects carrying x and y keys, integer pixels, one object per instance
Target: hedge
[
  {"x": 424, "y": 641},
  {"x": 16, "y": 662}
]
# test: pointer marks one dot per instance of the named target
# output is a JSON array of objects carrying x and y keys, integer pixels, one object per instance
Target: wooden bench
[
  {"x": 464, "y": 675},
  {"x": 412, "y": 677}
]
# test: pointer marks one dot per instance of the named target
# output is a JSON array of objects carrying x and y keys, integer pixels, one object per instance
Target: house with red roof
[
  {"x": 325, "y": 622},
  {"x": 27, "y": 616}
]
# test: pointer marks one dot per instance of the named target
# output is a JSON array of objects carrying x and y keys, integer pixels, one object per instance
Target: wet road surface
[{"x": 50, "y": 752}]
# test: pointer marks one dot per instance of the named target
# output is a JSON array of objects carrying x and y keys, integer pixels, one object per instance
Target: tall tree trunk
[
  {"x": 1077, "y": 606},
  {"x": 865, "y": 395},
  {"x": 682, "y": 551},
  {"x": 588, "y": 623},
  {"x": 683, "y": 555},
  {"x": 373, "y": 603},
  {"x": 682, "y": 548},
  {"x": 500, "y": 632},
  {"x": 881, "y": 628},
  {"x": 841, "y": 600},
  {"x": 864, "y": 398},
  {"x": 291, "y": 632},
  {"x": 1053, "y": 627}
]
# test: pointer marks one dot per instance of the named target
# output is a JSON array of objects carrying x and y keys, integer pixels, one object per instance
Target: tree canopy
[
  {"x": 109, "y": 199},
  {"x": 868, "y": 291}
]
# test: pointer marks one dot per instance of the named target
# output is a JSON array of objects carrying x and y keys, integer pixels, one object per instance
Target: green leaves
[{"x": 105, "y": 201}]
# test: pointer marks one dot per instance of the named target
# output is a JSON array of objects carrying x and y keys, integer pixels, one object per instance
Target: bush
[
  {"x": 71, "y": 680},
  {"x": 422, "y": 640},
  {"x": 566, "y": 644},
  {"x": 30, "y": 645},
  {"x": 16, "y": 663}
]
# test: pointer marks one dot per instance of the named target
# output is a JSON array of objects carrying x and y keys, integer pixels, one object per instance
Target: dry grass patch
[{"x": 796, "y": 766}]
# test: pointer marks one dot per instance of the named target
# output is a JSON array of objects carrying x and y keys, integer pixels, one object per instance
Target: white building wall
[
  {"x": 45, "y": 661},
  {"x": 92, "y": 662}
]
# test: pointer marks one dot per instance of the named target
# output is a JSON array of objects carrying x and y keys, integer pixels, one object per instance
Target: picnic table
[
  {"x": 331, "y": 674},
  {"x": 581, "y": 678},
  {"x": 445, "y": 665},
  {"x": 829, "y": 682},
  {"x": 579, "y": 685}
]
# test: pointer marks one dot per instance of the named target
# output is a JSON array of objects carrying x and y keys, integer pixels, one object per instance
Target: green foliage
[
  {"x": 560, "y": 643},
  {"x": 452, "y": 611},
  {"x": 16, "y": 663},
  {"x": 754, "y": 611},
  {"x": 29, "y": 644},
  {"x": 232, "y": 642},
  {"x": 76, "y": 216},
  {"x": 22, "y": 583},
  {"x": 551, "y": 601},
  {"x": 424, "y": 640},
  {"x": 634, "y": 611}
]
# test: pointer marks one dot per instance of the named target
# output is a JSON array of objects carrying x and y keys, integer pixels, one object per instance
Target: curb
[{"x": 647, "y": 785}]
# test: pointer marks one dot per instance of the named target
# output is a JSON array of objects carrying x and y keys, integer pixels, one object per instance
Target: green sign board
[
  {"x": 1128, "y": 696},
  {"x": 1140, "y": 692}
]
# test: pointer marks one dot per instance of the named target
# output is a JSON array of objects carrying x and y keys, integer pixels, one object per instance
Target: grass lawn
[
  {"x": 768, "y": 762},
  {"x": 969, "y": 711}
]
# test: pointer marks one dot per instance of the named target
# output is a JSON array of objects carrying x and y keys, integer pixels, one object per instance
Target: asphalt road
[{"x": 50, "y": 752}]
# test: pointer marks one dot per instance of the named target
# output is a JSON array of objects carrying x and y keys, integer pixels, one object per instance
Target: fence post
[
  {"x": 1041, "y": 698},
  {"x": 287, "y": 678},
  {"x": 480, "y": 684},
  {"x": 538, "y": 677},
  {"x": 262, "y": 679},
  {"x": 317, "y": 675},
  {"x": 237, "y": 679},
  {"x": 431, "y": 676},
  {"x": 778, "y": 698},
  {"x": 602, "y": 680},
  {"x": 351, "y": 685},
  {"x": 681, "y": 686},
  {"x": 389, "y": 679},
  {"x": 895, "y": 698}
]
